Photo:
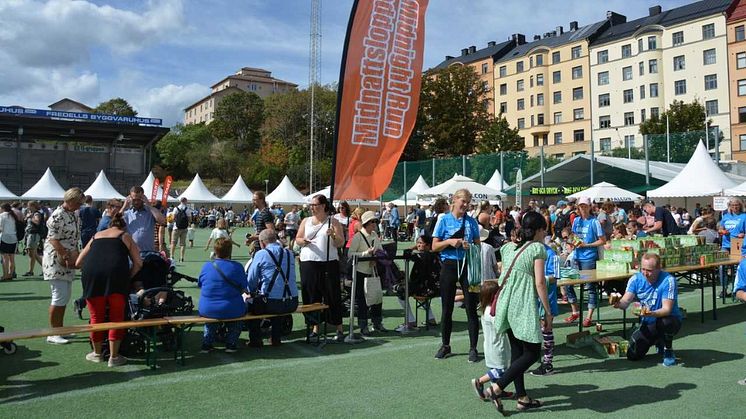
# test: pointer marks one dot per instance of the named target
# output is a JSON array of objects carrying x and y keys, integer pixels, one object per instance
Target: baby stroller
[{"x": 8, "y": 347}]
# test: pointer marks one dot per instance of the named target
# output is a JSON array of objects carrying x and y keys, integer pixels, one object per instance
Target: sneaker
[
  {"x": 473, "y": 356},
  {"x": 117, "y": 361},
  {"x": 543, "y": 370},
  {"x": 28, "y": 274},
  {"x": 93, "y": 357},
  {"x": 572, "y": 318},
  {"x": 669, "y": 359},
  {"x": 380, "y": 328},
  {"x": 587, "y": 322},
  {"x": 231, "y": 349},
  {"x": 742, "y": 382},
  {"x": 365, "y": 331},
  {"x": 430, "y": 323},
  {"x": 57, "y": 340},
  {"x": 206, "y": 349},
  {"x": 340, "y": 338},
  {"x": 478, "y": 388},
  {"x": 405, "y": 326},
  {"x": 443, "y": 352}
]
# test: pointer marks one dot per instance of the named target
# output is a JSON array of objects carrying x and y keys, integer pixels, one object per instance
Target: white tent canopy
[
  {"x": 605, "y": 191},
  {"x": 497, "y": 181},
  {"x": 147, "y": 187},
  {"x": 419, "y": 186},
  {"x": 700, "y": 177},
  {"x": 739, "y": 190},
  {"x": 46, "y": 188},
  {"x": 197, "y": 192},
  {"x": 478, "y": 191},
  {"x": 239, "y": 193},
  {"x": 286, "y": 194},
  {"x": 5, "y": 193},
  {"x": 101, "y": 189},
  {"x": 353, "y": 202}
]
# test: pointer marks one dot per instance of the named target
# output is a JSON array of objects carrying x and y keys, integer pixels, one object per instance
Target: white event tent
[
  {"x": 197, "y": 192},
  {"x": 239, "y": 193},
  {"x": 478, "y": 191},
  {"x": 700, "y": 177},
  {"x": 497, "y": 181},
  {"x": 353, "y": 202},
  {"x": 147, "y": 187},
  {"x": 605, "y": 191},
  {"x": 47, "y": 188},
  {"x": 286, "y": 194},
  {"x": 419, "y": 186},
  {"x": 5, "y": 193},
  {"x": 101, "y": 189}
]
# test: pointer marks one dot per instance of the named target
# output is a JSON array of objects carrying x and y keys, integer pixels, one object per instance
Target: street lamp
[{"x": 266, "y": 186}]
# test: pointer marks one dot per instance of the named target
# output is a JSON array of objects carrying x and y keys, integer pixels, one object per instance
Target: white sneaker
[
  {"x": 117, "y": 361},
  {"x": 742, "y": 382},
  {"x": 57, "y": 340},
  {"x": 93, "y": 357}
]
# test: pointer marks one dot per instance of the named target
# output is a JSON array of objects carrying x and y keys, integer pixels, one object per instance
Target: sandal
[
  {"x": 489, "y": 393},
  {"x": 530, "y": 404}
]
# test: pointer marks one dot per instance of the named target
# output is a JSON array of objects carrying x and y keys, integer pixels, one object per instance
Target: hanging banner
[
  {"x": 379, "y": 94},
  {"x": 154, "y": 193},
  {"x": 518, "y": 188},
  {"x": 166, "y": 191}
]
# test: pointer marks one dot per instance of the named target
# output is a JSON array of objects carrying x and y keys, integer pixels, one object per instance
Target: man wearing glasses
[{"x": 264, "y": 220}]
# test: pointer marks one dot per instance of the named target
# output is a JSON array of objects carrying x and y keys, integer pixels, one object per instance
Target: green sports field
[{"x": 386, "y": 376}]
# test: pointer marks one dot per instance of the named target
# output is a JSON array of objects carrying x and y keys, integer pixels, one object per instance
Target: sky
[{"x": 163, "y": 55}]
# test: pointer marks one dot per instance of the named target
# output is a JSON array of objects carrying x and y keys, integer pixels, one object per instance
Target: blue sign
[{"x": 80, "y": 116}]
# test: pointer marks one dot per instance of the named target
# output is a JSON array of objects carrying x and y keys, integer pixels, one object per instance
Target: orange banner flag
[{"x": 379, "y": 94}]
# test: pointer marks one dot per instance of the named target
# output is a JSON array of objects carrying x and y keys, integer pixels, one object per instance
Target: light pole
[{"x": 266, "y": 186}]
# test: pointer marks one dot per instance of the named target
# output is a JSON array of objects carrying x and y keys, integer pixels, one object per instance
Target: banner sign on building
[
  {"x": 556, "y": 190},
  {"x": 78, "y": 116}
]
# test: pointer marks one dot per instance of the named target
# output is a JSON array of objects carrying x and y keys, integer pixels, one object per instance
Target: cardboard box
[{"x": 735, "y": 246}]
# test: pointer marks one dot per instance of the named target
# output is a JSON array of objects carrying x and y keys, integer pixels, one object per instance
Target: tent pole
[
  {"x": 433, "y": 173},
  {"x": 405, "y": 188},
  {"x": 541, "y": 160},
  {"x": 647, "y": 160},
  {"x": 463, "y": 164},
  {"x": 502, "y": 172},
  {"x": 593, "y": 151}
]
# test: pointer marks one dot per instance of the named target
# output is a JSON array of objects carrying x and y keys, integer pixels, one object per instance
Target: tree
[
  {"x": 499, "y": 137},
  {"x": 633, "y": 152},
  {"x": 238, "y": 119},
  {"x": 116, "y": 106},
  {"x": 452, "y": 112},
  {"x": 686, "y": 125},
  {"x": 176, "y": 149}
]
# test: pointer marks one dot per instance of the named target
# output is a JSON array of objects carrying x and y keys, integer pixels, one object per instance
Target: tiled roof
[
  {"x": 553, "y": 41},
  {"x": 476, "y": 56}
]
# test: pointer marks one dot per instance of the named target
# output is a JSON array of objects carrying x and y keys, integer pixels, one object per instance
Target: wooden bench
[{"x": 180, "y": 323}]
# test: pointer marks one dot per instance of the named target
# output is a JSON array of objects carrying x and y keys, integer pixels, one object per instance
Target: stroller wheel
[{"x": 10, "y": 348}]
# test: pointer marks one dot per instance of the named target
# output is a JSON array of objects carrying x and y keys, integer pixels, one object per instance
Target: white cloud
[{"x": 167, "y": 102}]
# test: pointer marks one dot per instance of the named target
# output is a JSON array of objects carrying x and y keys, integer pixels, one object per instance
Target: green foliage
[
  {"x": 682, "y": 117},
  {"x": 499, "y": 137},
  {"x": 182, "y": 146},
  {"x": 116, "y": 106},
  {"x": 238, "y": 119},
  {"x": 635, "y": 153}
]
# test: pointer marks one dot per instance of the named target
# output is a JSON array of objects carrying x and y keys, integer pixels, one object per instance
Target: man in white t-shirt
[{"x": 292, "y": 219}]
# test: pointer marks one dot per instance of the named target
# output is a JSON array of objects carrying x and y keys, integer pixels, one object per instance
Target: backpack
[
  {"x": 562, "y": 221},
  {"x": 181, "y": 219},
  {"x": 20, "y": 229}
]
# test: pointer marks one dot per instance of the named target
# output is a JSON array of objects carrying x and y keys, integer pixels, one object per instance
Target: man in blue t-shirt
[
  {"x": 89, "y": 217},
  {"x": 732, "y": 225},
  {"x": 660, "y": 318}
]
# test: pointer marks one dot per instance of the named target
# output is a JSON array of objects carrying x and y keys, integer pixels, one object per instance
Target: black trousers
[
  {"x": 650, "y": 334},
  {"x": 448, "y": 279},
  {"x": 523, "y": 355},
  {"x": 271, "y": 307},
  {"x": 319, "y": 283}
]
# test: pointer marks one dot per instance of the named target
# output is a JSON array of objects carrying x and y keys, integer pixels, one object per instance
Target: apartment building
[
  {"x": 736, "y": 35},
  {"x": 638, "y": 68},
  {"x": 247, "y": 79}
]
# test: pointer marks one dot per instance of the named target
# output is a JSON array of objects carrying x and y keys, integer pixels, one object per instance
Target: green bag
[{"x": 474, "y": 265}]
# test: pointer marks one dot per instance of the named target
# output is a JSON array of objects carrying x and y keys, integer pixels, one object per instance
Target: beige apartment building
[
  {"x": 736, "y": 35},
  {"x": 247, "y": 79}
]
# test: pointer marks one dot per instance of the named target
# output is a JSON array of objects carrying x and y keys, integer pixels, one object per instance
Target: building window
[
  {"x": 558, "y": 138},
  {"x": 605, "y": 144},
  {"x": 742, "y": 87},
  {"x": 653, "y": 89},
  {"x": 503, "y": 71},
  {"x": 711, "y": 81},
  {"x": 642, "y": 115},
  {"x": 539, "y": 60},
  {"x": 741, "y": 60},
  {"x": 626, "y": 51},
  {"x": 740, "y": 35},
  {"x": 708, "y": 56},
  {"x": 655, "y": 113},
  {"x": 540, "y": 99},
  {"x": 742, "y": 137},
  {"x": 629, "y": 118},
  {"x": 576, "y": 51},
  {"x": 603, "y": 100},
  {"x": 578, "y": 135},
  {"x": 531, "y": 100},
  {"x": 629, "y": 140},
  {"x": 679, "y": 87},
  {"x": 555, "y": 57},
  {"x": 519, "y": 67},
  {"x": 652, "y": 42},
  {"x": 520, "y": 104},
  {"x": 708, "y": 31},
  {"x": 629, "y": 96},
  {"x": 558, "y": 117},
  {"x": 602, "y": 56},
  {"x": 642, "y": 92},
  {"x": 521, "y": 123},
  {"x": 503, "y": 107},
  {"x": 742, "y": 115},
  {"x": 578, "y": 114},
  {"x": 485, "y": 68},
  {"x": 539, "y": 79},
  {"x": 652, "y": 66},
  {"x": 519, "y": 85},
  {"x": 711, "y": 106},
  {"x": 503, "y": 89},
  {"x": 603, "y": 78},
  {"x": 627, "y": 73},
  {"x": 531, "y": 62},
  {"x": 641, "y": 68},
  {"x": 679, "y": 63},
  {"x": 557, "y": 97},
  {"x": 540, "y": 119},
  {"x": 577, "y": 72},
  {"x": 531, "y": 81},
  {"x": 577, "y": 93},
  {"x": 677, "y": 38},
  {"x": 556, "y": 77},
  {"x": 604, "y": 121},
  {"x": 639, "y": 45}
]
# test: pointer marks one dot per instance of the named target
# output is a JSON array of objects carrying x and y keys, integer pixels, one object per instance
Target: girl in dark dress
[{"x": 106, "y": 276}]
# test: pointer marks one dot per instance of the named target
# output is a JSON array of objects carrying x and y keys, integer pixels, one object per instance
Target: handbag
[
  {"x": 505, "y": 278},
  {"x": 372, "y": 289},
  {"x": 474, "y": 265}
]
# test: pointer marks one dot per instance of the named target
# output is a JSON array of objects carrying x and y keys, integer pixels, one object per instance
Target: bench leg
[{"x": 152, "y": 356}]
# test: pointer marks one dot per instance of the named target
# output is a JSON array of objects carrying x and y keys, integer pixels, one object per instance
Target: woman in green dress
[{"x": 517, "y": 313}]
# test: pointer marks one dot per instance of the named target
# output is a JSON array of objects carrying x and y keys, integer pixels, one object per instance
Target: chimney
[
  {"x": 547, "y": 34},
  {"x": 521, "y": 39},
  {"x": 537, "y": 37},
  {"x": 491, "y": 44},
  {"x": 464, "y": 52},
  {"x": 554, "y": 34},
  {"x": 615, "y": 18},
  {"x": 449, "y": 57},
  {"x": 560, "y": 30},
  {"x": 472, "y": 49},
  {"x": 573, "y": 26},
  {"x": 655, "y": 10}
]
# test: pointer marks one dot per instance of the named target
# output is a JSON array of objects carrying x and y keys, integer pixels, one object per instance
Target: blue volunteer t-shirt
[
  {"x": 447, "y": 225},
  {"x": 653, "y": 295},
  {"x": 740, "y": 277},
  {"x": 734, "y": 223},
  {"x": 589, "y": 231},
  {"x": 551, "y": 268}
]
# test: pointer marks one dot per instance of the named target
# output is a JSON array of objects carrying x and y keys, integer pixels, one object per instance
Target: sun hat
[{"x": 368, "y": 216}]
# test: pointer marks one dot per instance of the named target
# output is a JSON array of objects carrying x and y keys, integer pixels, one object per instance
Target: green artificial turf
[{"x": 386, "y": 376}]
